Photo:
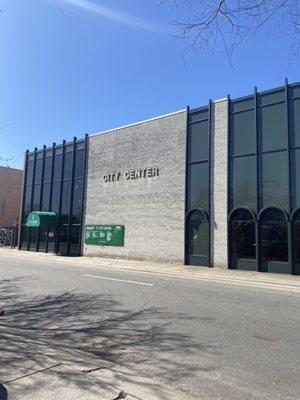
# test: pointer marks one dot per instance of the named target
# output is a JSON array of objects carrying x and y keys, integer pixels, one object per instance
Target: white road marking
[{"x": 118, "y": 280}]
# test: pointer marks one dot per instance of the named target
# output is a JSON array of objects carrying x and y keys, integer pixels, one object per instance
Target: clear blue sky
[{"x": 110, "y": 63}]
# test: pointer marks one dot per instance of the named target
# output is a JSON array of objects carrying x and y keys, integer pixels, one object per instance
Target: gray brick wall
[
  {"x": 219, "y": 146},
  {"x": 151, "y": 209}
]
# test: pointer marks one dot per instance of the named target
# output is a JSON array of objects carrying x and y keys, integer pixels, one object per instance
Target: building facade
[
  {"x": 10, "y": 196},
  {"x": 213, "y": 186}
]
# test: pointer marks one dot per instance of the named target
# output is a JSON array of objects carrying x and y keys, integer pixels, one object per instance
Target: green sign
[
  {"x": 44, "y": 219},
  {"x": 106, "y": 235}
]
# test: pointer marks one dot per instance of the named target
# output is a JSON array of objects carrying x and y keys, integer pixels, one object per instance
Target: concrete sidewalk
[{"x": 229, "y": 276}]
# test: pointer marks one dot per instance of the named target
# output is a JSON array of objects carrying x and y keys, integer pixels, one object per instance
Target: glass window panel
[
  {"x": 65, "y": 203},
  {"x": 274, "y": 180},
  {"x": 198, "y": 186},
  {"x": 294, "y": 117},
  {"x": 31, "y": 156},
  {"x": 271, "y": 97},
  {"x": 297, "y": 240},
  {"x": 198, "y": 141},
  {"x": 36, "y": 198},
  {"x": 46, "y": 194},
  {"x": 29, "y": 173},
  {"x": 63, "y": 240},
  {"x": 51, "y": 240},
  {"x": 242, "y": 105},
  {"x": 243, "y": 182},
  {"x": 274, "y": 236},
  {"x": 295, "y": 175},
  {"x": 242, "y": 133},
  {"x": 295, "y": 91},
  {"x": 32, "y": 238},
  {"x": 57, "y": 167},
  {"x": 58, "y": 149},
  {"x": 68, "y": 163},
  {"x": 23, "y": 238},
  {"x": 55, "y": 197},
  {"x": 42, "y": 239},
  {"x": 198, "y": 232},
  {"x": 242, "y": 235},
  {"x": 272, "y": 127},
  {"x": 38, "y": 170},
  {"x": 74, "y": 241},
  {"x": 79, "y": 163},
  {"x": 77, "y": 201},
  {"x": 27, "y": 202},
  {"x": 80, "y": 144},
  {"x": 47, "y": 173},
  {"x": 198, "y": 116}
]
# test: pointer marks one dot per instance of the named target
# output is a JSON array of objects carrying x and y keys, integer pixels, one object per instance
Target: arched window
[
  {"x": 242, "y": 234},
  {"x": 273, "y": 235},
  {"x": 197, "y": 229},
  {"x": 296, "y": 240}
]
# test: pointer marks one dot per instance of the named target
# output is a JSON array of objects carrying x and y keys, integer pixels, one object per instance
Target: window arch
[
  {"x": 242, "y": 222},
  {"x": 197, "y": 236},
  {"x": 273, "y": 226}
]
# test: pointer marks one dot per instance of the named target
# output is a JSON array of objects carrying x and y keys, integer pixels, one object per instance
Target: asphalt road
[{"x": 211, "y": 340}]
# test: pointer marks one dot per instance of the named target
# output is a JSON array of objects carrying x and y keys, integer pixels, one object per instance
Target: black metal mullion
[
  {"x": 288, "y": 133},
  {"x": 83, "y": 191},
  {"x": 23, "y": 199},
  {"x": 187, "y": 166},
  {"x": 50, "y": 192},
  {"x": 257, "y": 163},
  {"x": 60, "y": 193},
  {"x": 71, "y": 197},
  {"x": 32, "y": 194},
  {"x": 209, "y": 181},
  {"x": 41, "y": 198},
  {"x": 228, "y": 179}
]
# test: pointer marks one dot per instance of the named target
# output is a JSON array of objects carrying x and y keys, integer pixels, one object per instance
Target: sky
[{"x": 70, "y": 67}]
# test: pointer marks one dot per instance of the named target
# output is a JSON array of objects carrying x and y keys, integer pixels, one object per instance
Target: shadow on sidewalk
[{"x": 71, "y": 327}]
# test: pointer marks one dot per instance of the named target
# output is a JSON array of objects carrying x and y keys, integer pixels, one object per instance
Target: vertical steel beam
[
  {"x": 50, "y": 191},
  {"x": 60, "y": 195},
  {"x": 71, "y": 196},
  {"x": 84, "y": 190},
  {"x": 257, "y": 178},
  {"x": 228, "y": 180},
  {"x": 32, "y": 194},
  {"x": 288, "y": 135},
  {"x": 23, "y": 199},
  {"x": 209, "y": 180},
  {"x": 41, "y": 199},
  {"x": 186, "y": 186}
]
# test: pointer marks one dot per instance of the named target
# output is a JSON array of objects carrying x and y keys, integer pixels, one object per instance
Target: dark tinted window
[
  {"x": 57, "y": 167},
  {"x": 29, "y": 172},
  {"x": 47, "y": 173},
  {"x": 38, "y": 170},
  {"x": 55, "y": 197},
  {"x": 243, "y": 182},
  {"x": 68, "y": 165},
  {"x": 242, "y": 226},
  {"x": 45, "y": 199},
  {"x": 198, "y": 234},
  {"x": 74, "y": 240},
  {"x": 27, "y": 202},
  {"x": 274, "y": 180},
  {"x": 198, "y": 186},
  {"x": 272, "y": 127},
  {"x": 274, "y": 236},
  {"x": 65, "y": 202},
  {"x": 79, "y": 163},
  {"x": 36, "y": 198},
  {"x": 296, "y": 234},
  {"x": 294, "y": 115},
  {"x": 198, "y": 146},
  {"x": 243, "y": 136},
  {"x": 295, "y": 173},
  {"x": 77, "y": 201}
]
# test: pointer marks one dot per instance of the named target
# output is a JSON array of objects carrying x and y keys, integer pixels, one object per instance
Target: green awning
[{"x": 42, "y": 219}]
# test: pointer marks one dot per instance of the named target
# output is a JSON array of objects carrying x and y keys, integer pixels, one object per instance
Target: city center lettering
[{"x": 149, "y": 172}]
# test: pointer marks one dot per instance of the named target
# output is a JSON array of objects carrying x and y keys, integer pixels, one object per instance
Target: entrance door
[{"x": 197, "y": 238}]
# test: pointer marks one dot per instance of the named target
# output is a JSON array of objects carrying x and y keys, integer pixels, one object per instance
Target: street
[{"x": 210, "y": 340}]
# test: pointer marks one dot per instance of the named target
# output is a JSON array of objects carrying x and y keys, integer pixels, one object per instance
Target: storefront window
[{"x": 242, "y": 231}]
